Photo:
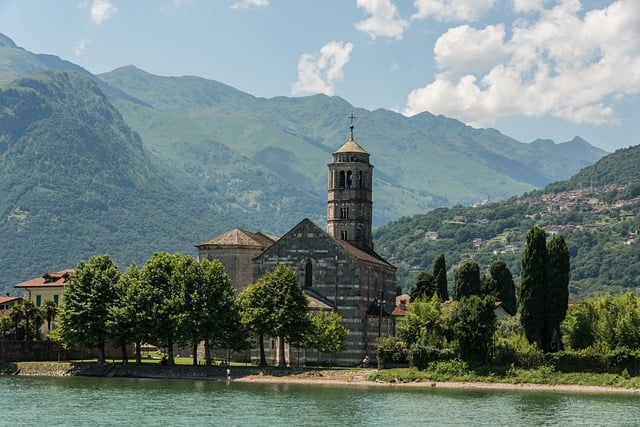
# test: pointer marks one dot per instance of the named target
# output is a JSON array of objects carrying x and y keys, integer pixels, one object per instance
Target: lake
[{"x": 81, "y": 401}]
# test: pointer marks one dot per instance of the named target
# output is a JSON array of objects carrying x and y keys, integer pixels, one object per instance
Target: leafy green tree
[
  {"x": 473, "y": 323},
  {"x": 50, "y": 311},
  {"x": 328, "y": 334},
  {"x": 578, "y": 326},
  {"x": 15, "y": 314},
  {"x": 166, "y": 299},
  {"x": 86, "y": 299},
  {"x": 276, "y": 305},
  {"x": 467, "y": 280},
  {"x": 424, "y": 288},
  {"x": 291, "y": 314},
  {"x": 533, "y": 284},
  {"x": 124, "y": 316},
  {"x": 212, "y": 314},
  {"x": 424, "y": 323},
  {"x": 6, "y": 325},
  {"x": 557, "y": 294},
  {"x": 440, "y": 277},
  {"x": 499, "y": 284},
  {"x": 256, "y": 313}
]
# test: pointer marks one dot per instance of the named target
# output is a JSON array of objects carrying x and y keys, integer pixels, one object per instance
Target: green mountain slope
[
  {"x": 597, "y": 210},
  {"x": 421, "y": 162},
  {"x": 75, "y": 181}
]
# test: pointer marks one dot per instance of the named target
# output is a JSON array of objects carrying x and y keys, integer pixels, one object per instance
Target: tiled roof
[
  {"x": 237, "y": 237},
  {"x": 51, "y": 279},
  {"x": 351, "y": 147},
  {"x": 371, "y": 257},
  {"x": 7, "y": 299}
]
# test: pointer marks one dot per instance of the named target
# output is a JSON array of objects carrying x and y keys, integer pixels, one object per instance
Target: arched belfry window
[
  {"x": 359, "y": 179},
  {"x": 343, "y": 234},
  {"x": 349, "y": 179},
  {"x": 308, "y": 274},
  {"x": 341, "y": 182}
]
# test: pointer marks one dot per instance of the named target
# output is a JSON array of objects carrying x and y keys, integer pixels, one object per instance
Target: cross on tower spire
[{"x": 351, "y": 118}]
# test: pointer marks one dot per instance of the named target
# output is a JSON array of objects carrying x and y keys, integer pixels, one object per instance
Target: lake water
[{"x": 77, "y": 401}]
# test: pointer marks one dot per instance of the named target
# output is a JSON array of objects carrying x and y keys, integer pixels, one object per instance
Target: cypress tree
[
  {"x": 500, "y": 285},
  {"x": 558, "y": 288},
  {"x": 533, "y": 283},
  {"x": 440, "y": 277},
  {"x": 467, "y": 281}
]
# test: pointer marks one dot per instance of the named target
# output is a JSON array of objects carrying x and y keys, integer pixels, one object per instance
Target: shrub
[{"x": 420, "y": 356}]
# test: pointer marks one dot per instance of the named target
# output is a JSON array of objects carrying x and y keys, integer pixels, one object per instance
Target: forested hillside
[
  {"x": 598, "y": 212},
  {"x": 75, "y": 182}
]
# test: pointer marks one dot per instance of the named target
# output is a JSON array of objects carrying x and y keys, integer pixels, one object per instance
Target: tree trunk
[
  {"x": 125, "y": 356},
  {"x": 101, "y": 360},
  {"x": 207, "y": 352},
  {"x": 195, "y": 353},
  {"x": 282, "y": 363},
  {"x": 263, "y": 359},
  {"x": 138, "y": 353},
  {"x": 170, "y": 359}
]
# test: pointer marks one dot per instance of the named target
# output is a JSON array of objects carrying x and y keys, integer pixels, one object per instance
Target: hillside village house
[{"x": 337, "y": 268}]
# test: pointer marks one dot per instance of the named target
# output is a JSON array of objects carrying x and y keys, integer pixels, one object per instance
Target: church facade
[{"x": 337, "y": 268}]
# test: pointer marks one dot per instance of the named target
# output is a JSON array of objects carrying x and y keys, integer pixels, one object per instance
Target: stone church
[{"x": 337, "y": 268}]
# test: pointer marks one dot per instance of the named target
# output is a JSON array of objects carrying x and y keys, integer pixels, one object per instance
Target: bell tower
[{"x": 349, "y": 200}]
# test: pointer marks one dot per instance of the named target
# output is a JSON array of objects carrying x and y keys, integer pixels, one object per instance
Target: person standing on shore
[{"x": 228, "y": 374}]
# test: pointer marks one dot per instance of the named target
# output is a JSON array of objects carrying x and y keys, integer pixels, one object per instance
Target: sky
[{"x": 551, "y": 69}]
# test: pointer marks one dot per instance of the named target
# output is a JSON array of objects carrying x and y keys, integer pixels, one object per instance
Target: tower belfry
[{"x": 349, "y": 210}]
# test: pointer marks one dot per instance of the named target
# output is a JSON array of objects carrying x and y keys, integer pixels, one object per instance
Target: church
[{"x": 337, "y": 268}]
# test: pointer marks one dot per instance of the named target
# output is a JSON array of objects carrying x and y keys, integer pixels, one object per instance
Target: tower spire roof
[{"x": 351, "y": 146}]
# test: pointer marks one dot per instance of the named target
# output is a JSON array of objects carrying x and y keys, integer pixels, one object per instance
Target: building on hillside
[{"x": 337, "y": 268}]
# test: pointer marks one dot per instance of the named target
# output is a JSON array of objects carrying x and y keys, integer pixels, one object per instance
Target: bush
[
  {"x": 391, "y": 350},
  {"x": 420, "y": 356},
  {"x": 443, "y": 370}
]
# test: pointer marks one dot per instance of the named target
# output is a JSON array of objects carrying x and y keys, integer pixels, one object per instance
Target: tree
[
  {"x": 425, "y": 287},
  {"x": 467, "y": 280},
  {"x": 5, "y": 326},
  {"x": 86, "y": 299},
  {"x": 124, "y": 314},
  {"x": 499, "y": 284},
  {"x": 473, "y": 322},
  {"x": 328, "y": 334},
  {"x": 276, "y": 305},
  {"x": 212, "y": 314},
  {"x": 557, "y": 289},
  {"x": 440, "y": 277},
  {"x": 50, "y": 310},
  {"x": 533, "y": 281},
  {"x": 255, "y": 313},
  {"x": 423, "y": 324},
  {"x": 165, "y": 299}
]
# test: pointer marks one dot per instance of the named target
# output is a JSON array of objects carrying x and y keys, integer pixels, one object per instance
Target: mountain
[
  {"x": 597, "y": 210},
  {"x": 129, "y": 163},
  {"x": 75, "y": 181},
  {"x": 422, "y": 162}
]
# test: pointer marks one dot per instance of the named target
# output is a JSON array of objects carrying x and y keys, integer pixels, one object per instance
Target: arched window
[
  {"x": 359, "y": 179},
  {"x": 343, "y": 234},
  {"x": 349, "y": 179},
  {"x": 341, "y": 182},
  {"x": 308, "y": 274}
]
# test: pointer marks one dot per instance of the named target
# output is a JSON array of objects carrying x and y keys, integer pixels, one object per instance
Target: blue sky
[{"x": 530, "y": 68}]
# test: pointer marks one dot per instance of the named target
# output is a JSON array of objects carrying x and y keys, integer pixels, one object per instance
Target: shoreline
[{"x": 322, "y": 377}]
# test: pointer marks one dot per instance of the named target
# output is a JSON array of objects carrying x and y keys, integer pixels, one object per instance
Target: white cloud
[
  {"x": 320, "y": 73},
  {"x": 81, "y": 47},
  {"x": 384, "y": 20},
  {"x": 464, "y": 49},
  {"x": 568, "y": 63},
  {"x": 527, "y": 5},
  {"x": 247, "y": 4},
  {"x": 100, "y": 10},
  {"x": 451, "y": 10}
]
